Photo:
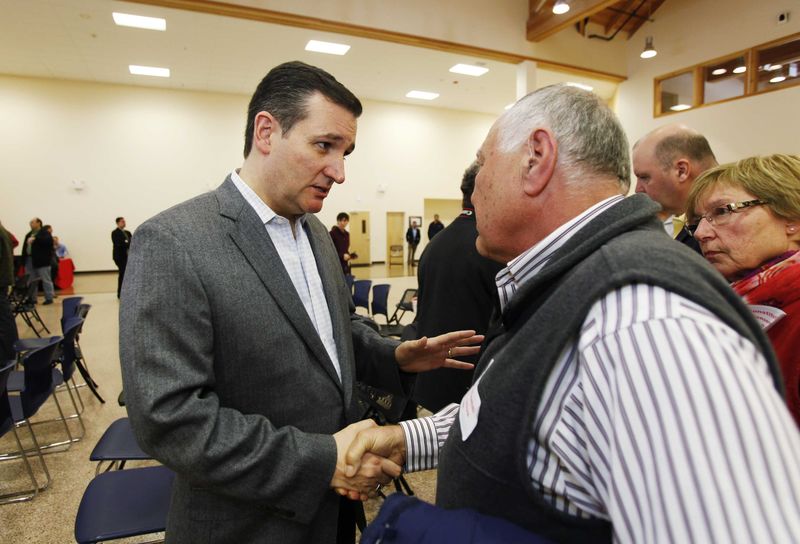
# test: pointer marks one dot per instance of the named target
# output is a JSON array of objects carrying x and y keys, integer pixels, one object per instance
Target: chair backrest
[
  {"x": 69, "y": 308},
  {"x": 406, "y": 302},
  {"x": 380, "y": 300},
  {"x": 68, "y": 353},
  {"x": 38, "y": 365},
  {"x": 83, "y": 311},
  {"x": 6, "y": 422},
  {"x": 361, "y": 293}
]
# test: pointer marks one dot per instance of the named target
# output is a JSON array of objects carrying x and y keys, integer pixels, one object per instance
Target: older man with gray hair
[{"x": 612, "y": 400}]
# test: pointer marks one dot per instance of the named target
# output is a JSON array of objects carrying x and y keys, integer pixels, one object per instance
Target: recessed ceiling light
[
  {"x": 773, "y": 67},
  {"x": 327, "y": 47},
  {"x": 580, "y": 86},
  {"x": 422, "y": 95},
  {"x": 469, "y": 70},
  {"x": 740, "y": 70},
  {"x": 148, "y": 71},
  {"x": 139, "y": 21},
  {"x": 680, "y": 107},
  {"x": 719, "y": 71},
  {"x": 560, "y": 7},
  {"x": 777, "y": 79}
]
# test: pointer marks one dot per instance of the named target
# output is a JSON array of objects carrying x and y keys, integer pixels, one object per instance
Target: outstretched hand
[
  {"x": 387, "y": 443},
  {"x": 438, "y": 352}
]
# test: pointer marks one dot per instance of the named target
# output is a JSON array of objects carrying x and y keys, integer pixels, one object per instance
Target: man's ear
[
  {"x": 264, "y": 127},
  {"x": 540, "y": 162},
  {"x": 683, "y": 170}
]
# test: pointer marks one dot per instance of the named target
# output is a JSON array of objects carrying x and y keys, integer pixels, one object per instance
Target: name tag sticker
[{"x": 471, "y": 408}]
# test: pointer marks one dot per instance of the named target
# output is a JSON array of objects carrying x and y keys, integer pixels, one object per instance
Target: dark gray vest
[{"x": 626, "y": 244}]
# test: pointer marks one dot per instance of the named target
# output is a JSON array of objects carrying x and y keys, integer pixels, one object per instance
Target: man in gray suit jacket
[{"x": 238, "y": 337}]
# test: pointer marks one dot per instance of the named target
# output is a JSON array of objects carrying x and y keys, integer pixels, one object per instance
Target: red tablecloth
[{"x": 65, "y": 275}]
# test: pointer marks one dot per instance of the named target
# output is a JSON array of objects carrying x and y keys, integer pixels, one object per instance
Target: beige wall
[
  {"x": 687, "y": 32},
  {"x": 140, "y": 150}
]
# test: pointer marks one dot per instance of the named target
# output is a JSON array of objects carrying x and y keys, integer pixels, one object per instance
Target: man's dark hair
[
  {"x": 468, "y": 184},
  {"x": 118, "y": 220},
  {"x": 691, "y": 145},
  {"x": 284, "y": 92},
  {"x": 341, "y": 216}
]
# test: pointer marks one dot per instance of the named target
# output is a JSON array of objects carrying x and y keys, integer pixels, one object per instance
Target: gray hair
[{"x": 589, "y": 135}]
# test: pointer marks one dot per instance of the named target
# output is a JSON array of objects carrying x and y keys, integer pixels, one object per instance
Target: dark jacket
[
  {"x": 6, "y": 260},
  {"x": 122, "y": 241},
  {"x": 42, "y": 249}
]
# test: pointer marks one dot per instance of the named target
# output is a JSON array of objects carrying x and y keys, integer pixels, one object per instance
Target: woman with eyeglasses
[{"x": 746, "y": 217}]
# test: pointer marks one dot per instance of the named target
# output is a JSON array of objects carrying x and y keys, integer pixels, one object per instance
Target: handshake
[{"x": 367, "y": 457}]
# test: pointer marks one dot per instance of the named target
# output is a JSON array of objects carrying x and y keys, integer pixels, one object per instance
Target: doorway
[
  {"x": 395, "y": 238},
  {"x": 360, "y": 238}
]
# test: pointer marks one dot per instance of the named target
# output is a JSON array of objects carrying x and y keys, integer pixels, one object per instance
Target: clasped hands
[{"x": 368, "y": 456}]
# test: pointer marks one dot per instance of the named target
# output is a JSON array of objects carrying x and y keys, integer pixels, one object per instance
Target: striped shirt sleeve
[
  {"x": 688, "y": 439},
  {"x": 425, "y": 436}
]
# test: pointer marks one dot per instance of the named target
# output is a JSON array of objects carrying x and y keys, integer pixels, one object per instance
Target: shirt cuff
[{"x": 425, "y": 436}]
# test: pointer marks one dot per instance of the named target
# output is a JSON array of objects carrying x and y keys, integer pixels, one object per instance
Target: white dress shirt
[
  {"x": 297, "y": 257},
  {"x": 658, "y": 417}
]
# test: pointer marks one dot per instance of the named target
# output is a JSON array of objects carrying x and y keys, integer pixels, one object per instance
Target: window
[{"x": 763, "y": 68}]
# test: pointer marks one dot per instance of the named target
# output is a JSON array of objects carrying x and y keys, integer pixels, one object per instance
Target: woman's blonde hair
[{"x": 774, "y": 179}]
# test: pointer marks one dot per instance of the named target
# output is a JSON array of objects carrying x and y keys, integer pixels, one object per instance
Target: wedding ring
[{"x": 449, "y": 352}]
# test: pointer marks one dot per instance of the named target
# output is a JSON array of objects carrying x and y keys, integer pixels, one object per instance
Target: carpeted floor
[{"x": 49, "y": 518}]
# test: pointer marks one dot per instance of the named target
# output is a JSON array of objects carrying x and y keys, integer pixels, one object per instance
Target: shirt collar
[
  {"x": 264, "y": 212},
  {"x": 534, "y": 259}
]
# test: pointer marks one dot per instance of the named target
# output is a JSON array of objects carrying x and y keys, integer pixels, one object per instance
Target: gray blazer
[{"x": 227, "y": 381}]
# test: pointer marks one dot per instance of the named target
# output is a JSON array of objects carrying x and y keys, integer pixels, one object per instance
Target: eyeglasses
[{"x": 721, "y": 215}]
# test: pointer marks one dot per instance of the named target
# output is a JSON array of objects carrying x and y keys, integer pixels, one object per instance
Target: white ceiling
[{"x": 77, "y": 39}]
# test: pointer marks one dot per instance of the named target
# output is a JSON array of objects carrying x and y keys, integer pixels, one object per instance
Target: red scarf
[{"x": 775, "y": 284}]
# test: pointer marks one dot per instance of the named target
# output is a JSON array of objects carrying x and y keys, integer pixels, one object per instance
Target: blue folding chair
[
  {"x": 124, "y": 503},
  {"x": 380, "y": 300},
  {"x": 6, "y": 425},
  {"x": 117, "y": 445},
  {"x": 361, "y": 293}
]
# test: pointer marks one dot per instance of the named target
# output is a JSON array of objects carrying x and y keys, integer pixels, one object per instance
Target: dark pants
[
  {"x": 121, "y": 264},
  {"x": 8, "y": 328},
  {"x": 412, "y": 249}
]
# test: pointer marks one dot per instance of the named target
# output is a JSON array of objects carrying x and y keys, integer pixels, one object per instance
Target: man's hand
[
  {"x": 361, "y": 481},
  {"x": 387, "y": 443},
  {"x": 437, "y": 352}
]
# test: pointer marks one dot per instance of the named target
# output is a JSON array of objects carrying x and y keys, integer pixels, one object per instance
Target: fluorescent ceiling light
[
  {"x": 469, "y": 70},
  {"x": 740, "y": 70},
  {"x": 560, "y": 7},
  {"x": 422, "y": 95},
  {"x": 777, "y": 79},
  {"x": 680, "y": 107},
  {"x": 148, "y": 71},
  {"x": 139, "y": 21},
  {"x": 719, "y": 71},
  {"x": 580, "y": 86},
  {"x": 327, "y": 47}
]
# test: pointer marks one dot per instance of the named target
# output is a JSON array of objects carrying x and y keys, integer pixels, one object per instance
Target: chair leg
[{"x": 26, "y": 495}]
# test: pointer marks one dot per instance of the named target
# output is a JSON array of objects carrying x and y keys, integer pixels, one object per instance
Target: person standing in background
[
  {"x": 341, "y": 241},
  {"x": 40, "y": 252},
  {"x": 412, "y": 237},
  {"x": 435, "y": 227},
  {"x": 122, "y": 241},
  {"x": 8, "y": 328}
]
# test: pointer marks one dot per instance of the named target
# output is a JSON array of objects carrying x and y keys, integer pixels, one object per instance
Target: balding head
[{"x": 667, "y": 161}]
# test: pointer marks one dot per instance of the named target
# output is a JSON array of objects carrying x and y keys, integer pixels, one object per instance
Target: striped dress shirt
[
  {"x": 298, "y": 259},
  {"x": 658, "y": 417}
]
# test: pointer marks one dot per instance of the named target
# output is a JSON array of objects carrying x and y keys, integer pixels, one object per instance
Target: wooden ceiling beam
[
  {"x": 637, "y": 22},
  {"x": 617, "y": 16},
  {"x": 545, "y": 23}
]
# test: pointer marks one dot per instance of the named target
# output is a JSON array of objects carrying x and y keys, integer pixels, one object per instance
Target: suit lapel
[{"x": 250, "y": 236}]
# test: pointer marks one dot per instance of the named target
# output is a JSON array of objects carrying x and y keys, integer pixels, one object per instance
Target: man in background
[
  {"x": 413, "y": 238},
  {"x": 341, "y": 241},
  {"x": 40, "y": 254},
  {"x": 121, "y": 239},
  {"x": 435, "y": 227},
  {"x": 456, "y": 291},
  {"x": 666, "y": 162}
]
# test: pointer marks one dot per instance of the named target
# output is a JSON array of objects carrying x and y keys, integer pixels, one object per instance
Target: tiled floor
[{"x": 49, "y": 518}]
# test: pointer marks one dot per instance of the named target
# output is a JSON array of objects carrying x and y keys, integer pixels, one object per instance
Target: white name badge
[
  {"x": 471, "y": 407},
  {"x": 767, "y": 316}
]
